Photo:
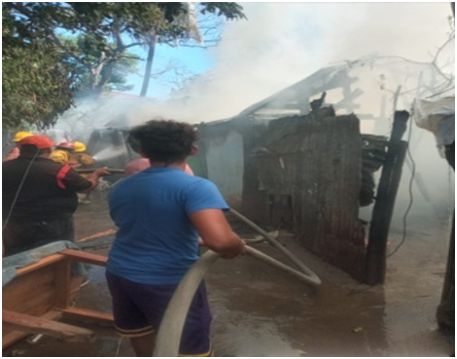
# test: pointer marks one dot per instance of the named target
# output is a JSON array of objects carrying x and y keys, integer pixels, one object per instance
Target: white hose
[
  {"x": 170, "y": 331},
  {"x": 313, "y": 279}
]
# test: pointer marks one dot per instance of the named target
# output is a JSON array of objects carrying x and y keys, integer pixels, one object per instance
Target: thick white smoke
[{"x": 282, "y": 43}]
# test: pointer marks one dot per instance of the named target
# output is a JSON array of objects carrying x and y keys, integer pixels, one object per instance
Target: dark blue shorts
[{"x": 139, "y": 308}]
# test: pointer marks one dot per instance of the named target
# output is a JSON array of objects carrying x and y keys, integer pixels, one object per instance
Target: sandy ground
[{"x": 258, "y": 311}]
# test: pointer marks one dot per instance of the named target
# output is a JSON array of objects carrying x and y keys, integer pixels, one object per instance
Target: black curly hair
[{"x": 165, "y": 140}]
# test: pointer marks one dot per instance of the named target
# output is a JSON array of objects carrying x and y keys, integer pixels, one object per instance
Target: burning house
[
  {"x": 290, "y": 162},
  {"x": 305, "y": 159},
  {"x": 297, "y": 160}
]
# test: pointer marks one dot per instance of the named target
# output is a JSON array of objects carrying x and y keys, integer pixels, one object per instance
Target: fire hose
[
  {"x": 90, "y": 170},
  {"x": 170, "y": 330}
]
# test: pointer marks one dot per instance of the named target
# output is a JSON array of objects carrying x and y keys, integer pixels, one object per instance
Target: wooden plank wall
[{"x": 315, "y": 165}]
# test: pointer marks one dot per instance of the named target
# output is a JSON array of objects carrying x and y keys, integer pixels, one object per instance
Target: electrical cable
[{"x": 441, "y": 92}]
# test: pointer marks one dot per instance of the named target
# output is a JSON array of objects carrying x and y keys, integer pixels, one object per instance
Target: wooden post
[
  {"x": 446, "y": 310},
  {"x": 385, "y": 201},
  {"x": 445, "y": 314}
]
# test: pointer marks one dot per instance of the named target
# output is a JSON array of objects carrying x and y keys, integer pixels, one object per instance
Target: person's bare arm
[
  {"x": 94, "y": 177},
  {"x": 216, "y": 233}
]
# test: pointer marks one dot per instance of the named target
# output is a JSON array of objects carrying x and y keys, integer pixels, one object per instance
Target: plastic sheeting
[
  {"x": 438, "y": 117},
  {"x": 12, "y": 263}
]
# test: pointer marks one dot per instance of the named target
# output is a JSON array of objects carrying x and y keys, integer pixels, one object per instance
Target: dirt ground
[{"x": 259, "y": 311}]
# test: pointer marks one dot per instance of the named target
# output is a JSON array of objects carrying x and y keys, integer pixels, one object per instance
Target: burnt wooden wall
[{"x": 305, "y": 175}]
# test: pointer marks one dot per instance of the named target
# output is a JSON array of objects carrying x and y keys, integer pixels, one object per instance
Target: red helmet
[
  {"x": 40, "y": 142},
  {"x": 66, "y": 146}
]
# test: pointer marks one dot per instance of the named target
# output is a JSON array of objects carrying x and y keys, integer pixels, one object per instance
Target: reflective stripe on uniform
[{"x": 61, "y": 175}]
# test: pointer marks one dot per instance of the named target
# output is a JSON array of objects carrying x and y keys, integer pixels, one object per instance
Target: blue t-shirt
[{"x": 156, "y": 242}]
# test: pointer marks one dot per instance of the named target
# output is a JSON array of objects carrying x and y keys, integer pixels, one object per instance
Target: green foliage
[
  {"x": 103, "y": 23},
  {"x": 41, "y": 68},
  {"x": 230, "y": 10},
  {"x": 36, "y": 85},
  {"x": 85, "y": 46}
]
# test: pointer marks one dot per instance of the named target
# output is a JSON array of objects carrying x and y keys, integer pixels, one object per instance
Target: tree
[
  {"x": 114, "y": 78},
  {"x": 186, "y": 18},
  {"x": 36, "y": 85},
  {"x": 32, "y": 39},
  {"x": 106, "y": 25}
]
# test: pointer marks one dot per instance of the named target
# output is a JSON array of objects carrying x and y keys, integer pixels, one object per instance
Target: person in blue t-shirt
[{"x": 160, "y": 213}]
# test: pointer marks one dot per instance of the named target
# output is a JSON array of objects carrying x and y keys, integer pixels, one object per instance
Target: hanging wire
[
  {"x": 441, "y": 92},
  {"x": 19, "y": 189},
  {"x": 410, "y": 190}
]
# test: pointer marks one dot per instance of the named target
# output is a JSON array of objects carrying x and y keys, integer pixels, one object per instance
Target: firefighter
[
  {"x": 79, "y": 158},
  {"x": 14, "y": 152},
  {"x": 39, "y": 197},
  {"x": 63, "y": 152}
]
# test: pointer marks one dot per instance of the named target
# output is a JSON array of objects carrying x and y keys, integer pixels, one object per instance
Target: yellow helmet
[
  {"x": 79, "y": 146},
  {"x": 21, "y": 135}
]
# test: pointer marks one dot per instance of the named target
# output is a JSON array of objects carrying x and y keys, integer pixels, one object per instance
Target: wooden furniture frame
[{"x": 43, "y": 291}]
